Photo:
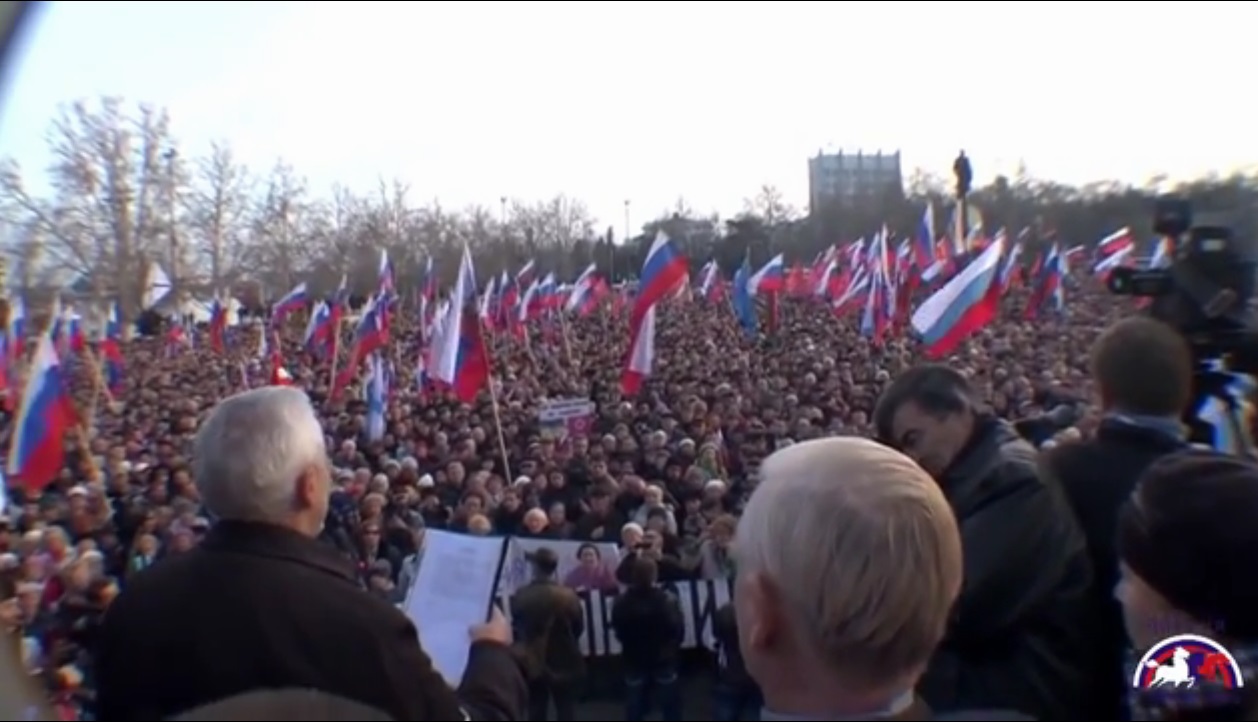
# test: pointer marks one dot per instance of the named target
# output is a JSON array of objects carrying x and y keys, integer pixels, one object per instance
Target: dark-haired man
[
  {"x": 1143, "y": 372},
  {"x": 1019, "y": 638},
  {"x": 549, "y": 621},
  {"x": 647, "y": 620}
]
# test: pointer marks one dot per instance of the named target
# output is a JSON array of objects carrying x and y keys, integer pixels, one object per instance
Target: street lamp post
[
  {"x": 502, "y": 226},
  {"x": 627, "y": 224}
]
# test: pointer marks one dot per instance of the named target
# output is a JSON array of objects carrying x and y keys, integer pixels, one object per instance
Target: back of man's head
[
  {"x": 252, "y": 450},
  {"x": 643, "y": 573},
  {"x": 1188, "y": 533},
  {"x": 291, "y": 705},
  {"x": 849, "y": 561},
  {"x": 1142, "y": 366},
  {"x": 545, "y": 562}
]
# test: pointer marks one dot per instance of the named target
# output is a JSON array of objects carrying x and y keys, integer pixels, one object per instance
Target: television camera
[{"x": 1206, "y": 292}]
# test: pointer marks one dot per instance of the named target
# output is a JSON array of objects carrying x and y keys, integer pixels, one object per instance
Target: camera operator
[
  {"x": 1143, "y": 370},
  {"x": 1019, "y": 638}
]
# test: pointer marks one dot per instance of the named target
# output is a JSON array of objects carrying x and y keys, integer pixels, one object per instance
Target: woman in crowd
[{"x": 592, "y": 573}]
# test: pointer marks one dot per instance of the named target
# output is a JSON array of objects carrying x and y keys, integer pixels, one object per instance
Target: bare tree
[
  {"x": 218, "y": 213},
  {"x": 285, "y": 217},
  {"x": 391, "y": 220},
  {"x": 480, "y": 228},
  {"x": 121, "y": 196},
  {"x": 393, "y": 210},
  {"x": 552, "y": 228},
  {"x": 769, "y": 205},
  {"x": 26, "y": 255},
  {"x": 440, "y": 233},
  {"x": 682, "y": 208},
  {"x": 341, "y": 235},
  {"x": 104, "y": 219}
]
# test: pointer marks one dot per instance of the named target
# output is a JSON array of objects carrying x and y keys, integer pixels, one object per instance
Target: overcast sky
[{"x": 649, "y": 101}]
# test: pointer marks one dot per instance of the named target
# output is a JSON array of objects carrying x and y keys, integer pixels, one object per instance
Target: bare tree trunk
[{"x": 176, "y": 272}]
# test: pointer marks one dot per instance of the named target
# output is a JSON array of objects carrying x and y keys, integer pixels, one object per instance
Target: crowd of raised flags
[{"x": 877, "y": 279}]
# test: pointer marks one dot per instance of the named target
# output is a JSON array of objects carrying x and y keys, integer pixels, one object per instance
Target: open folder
[
  {"x": 21, "y": 697},
  {"x": 453, "y": 590}
]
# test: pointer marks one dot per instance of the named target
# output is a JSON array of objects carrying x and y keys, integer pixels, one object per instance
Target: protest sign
[
  {"x": 566, "y": 418},
  {"x": 515, "y": 569}
]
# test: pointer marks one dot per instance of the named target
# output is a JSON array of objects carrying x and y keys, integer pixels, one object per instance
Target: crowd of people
[{"x": 666, "y": 476}]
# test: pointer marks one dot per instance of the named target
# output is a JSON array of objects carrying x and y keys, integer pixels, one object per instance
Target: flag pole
[
  {"x": 528, "y": 342},
  {"x": 336, "y": 354},
  {"x": 82, "y": 431},
  {"x": 98, "y": 380},
  {"x": 493, "y": 401},
  {"x": 567, "y": 345},
  {"x": 84, "y": 427}
]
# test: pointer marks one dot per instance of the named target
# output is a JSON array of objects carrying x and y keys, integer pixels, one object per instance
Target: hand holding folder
[
  {"x": 452, "y": 600},
  {"x": 496, "y": 629}
]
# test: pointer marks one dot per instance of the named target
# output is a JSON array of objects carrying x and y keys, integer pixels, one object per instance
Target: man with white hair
[
  {"x": 261, "y": 603},
  {"x": 849, "y": 560}
]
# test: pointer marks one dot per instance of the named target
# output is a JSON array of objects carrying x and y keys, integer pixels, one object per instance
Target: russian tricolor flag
[
  {"x": 318, "y": 335},
  {"x": 1118, "y": 241},
  {"x": 111, "y": 351},
  {"x": 964, "y": 305},
  {"x": 384, "y": 276},
  {"x": 291, "y": 301},
  {"x": 67, "y": 330},
  {"x": 924, "y": 239},
  {"x": 37, "y": 452},
  {"x": 771, "y": 278},
  {"x": 218, "y": 325},
  {"x": 15, "y": 330},
  {"x": 663, "y": 272},
  {"x": 376, "y": 394},
  {"x": 370, "y": 335},
  {"x": 459, "y": 358},
  {"x": 1048, "y": 284},
  {"x": 586, "y": 292}
]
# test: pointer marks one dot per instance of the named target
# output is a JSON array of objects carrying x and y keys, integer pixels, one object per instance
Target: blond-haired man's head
[{"x": 849, "y": 561}]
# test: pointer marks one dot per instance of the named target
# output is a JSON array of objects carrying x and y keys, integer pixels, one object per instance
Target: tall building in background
[{"x": 847, "y": 177}]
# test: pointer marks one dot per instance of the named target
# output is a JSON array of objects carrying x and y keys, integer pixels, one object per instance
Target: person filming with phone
[{"x": 670, "y": 569}]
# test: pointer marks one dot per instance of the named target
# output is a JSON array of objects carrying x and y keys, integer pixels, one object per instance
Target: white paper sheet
[{"x": 451, "y": 593}]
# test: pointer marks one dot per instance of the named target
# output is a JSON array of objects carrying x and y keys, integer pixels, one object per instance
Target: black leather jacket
[{"x": 1022, "y": 633}]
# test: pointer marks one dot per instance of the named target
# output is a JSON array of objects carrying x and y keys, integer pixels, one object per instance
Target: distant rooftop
[{"x": 859, "y": 151}]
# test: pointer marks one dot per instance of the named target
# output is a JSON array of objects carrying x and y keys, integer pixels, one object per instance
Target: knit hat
[{"x": 1189, "y": 531}]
